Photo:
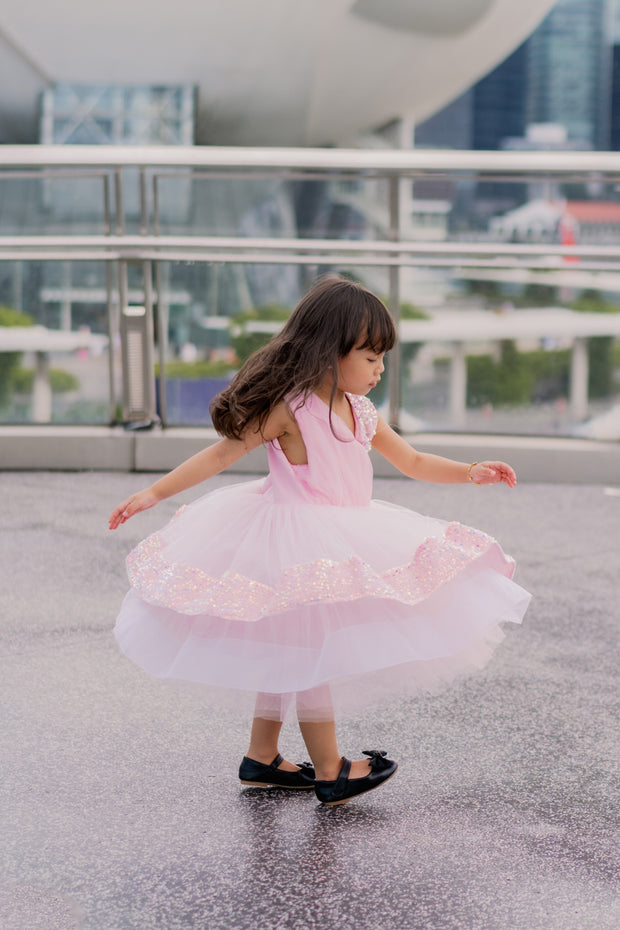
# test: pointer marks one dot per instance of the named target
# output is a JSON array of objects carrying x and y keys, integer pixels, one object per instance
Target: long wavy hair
[{"x": 325, "y": 325}]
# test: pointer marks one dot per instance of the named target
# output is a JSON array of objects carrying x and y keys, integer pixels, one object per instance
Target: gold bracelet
[{"x": 469, "y": 477}]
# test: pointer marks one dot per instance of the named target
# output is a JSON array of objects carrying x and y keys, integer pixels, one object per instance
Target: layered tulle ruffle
[
  {"x": 238, "y": 592},
  {"x": 234, "y": 596}
]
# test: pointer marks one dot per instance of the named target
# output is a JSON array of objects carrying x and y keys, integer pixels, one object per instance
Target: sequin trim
[
  {"x": 367, "y": 417},
  {"x": 189, "y": 590}
]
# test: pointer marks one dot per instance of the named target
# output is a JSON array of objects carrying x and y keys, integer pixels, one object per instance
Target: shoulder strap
[{"x": 366, "y": 414}]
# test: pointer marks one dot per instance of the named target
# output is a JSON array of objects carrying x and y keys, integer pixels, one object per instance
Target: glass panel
[
  {"x": 538, "y": 379},
  {"x": 271, "y": 207},
  {"x": 51, "y": 204},
  {"x": 533, "y": 376},
  {"x": 54, "y": 356},
  {"x": 218, "y": 314},
  {"x": 466, "y": 378}
]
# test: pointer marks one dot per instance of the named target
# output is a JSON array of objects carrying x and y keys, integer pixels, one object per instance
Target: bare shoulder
[{"x": 279, "y": 422}]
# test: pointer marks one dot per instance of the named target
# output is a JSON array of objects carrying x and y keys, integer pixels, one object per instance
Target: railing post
[
  {"x": 162, "y": 287},
  {"x": 111, "y": 304},
  {"x": 394, "y": 302},
  {"x": 136, "y": 327},
  {"x": 18, "y": 289},
  {"x": 162, "y": 337}
]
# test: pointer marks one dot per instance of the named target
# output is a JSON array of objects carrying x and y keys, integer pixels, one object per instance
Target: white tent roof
[{"x": 269, "y": 72}]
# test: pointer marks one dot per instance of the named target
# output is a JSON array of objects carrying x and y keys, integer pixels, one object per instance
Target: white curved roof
[{"x": 269, "y": 72}]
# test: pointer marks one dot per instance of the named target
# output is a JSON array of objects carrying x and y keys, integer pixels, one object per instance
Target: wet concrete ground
[{"x": 121, "y": 809}]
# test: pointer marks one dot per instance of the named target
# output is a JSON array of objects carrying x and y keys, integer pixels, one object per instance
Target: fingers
[
  {"x": 495, "y": 472},
  {"x": 143, "y": 500},
  {"x": 122, "y": 513}
]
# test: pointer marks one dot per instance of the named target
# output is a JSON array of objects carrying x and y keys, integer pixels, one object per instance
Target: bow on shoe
[{"x": 378, "y": 759}]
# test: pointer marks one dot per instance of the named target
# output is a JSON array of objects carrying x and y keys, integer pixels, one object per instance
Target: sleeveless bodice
[{"x": 339, "y": 471}]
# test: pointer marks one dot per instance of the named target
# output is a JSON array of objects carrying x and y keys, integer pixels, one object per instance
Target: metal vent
[{"x": 137, "y": 356}]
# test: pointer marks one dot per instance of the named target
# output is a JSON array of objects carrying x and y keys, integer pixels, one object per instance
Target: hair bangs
[{"x": 380, "y": 331}]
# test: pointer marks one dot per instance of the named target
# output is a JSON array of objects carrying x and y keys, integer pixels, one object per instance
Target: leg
[
  {"x": 322, "y": 745},
  {"x": 264, "y": 743},
  {"x": 269, "y": 714},
  {"x": 315, "y": 714}
]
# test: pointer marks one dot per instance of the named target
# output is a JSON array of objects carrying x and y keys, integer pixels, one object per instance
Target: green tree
[
  {"x": 10, "y": 361},
  {"x": 60, "y": 380},
  {"x": 245, "y": 342},
  {"x": 600, "y": 348},
  {"x": 537, "y": 295}
]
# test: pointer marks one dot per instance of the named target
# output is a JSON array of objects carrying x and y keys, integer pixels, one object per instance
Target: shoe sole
[
  {"x": 354, "y": 796},
  {"x": 268, "y": 784}
]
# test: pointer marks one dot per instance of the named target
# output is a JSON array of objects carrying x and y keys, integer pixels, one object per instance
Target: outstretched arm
[
  {"x": 205, "y": 464},
  {"x": 427, "y": 467}
]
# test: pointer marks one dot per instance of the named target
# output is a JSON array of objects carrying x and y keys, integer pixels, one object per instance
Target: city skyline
[{"x": 563, "y": 74}]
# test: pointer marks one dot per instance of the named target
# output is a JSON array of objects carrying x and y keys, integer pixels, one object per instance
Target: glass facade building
[
  {"x": 562, "y": 74},
  {"x": 104, "y": 114},
  {"x": 499, "y": 102},
  {"x": 569, "y": 71}
]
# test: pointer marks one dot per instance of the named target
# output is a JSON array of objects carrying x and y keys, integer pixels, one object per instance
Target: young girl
[{"x": 299, "y": 583}]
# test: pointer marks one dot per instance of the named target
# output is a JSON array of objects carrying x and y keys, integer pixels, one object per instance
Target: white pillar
[
  {"x": 579, "y": 380},
  {"x": 42, "y": 390},
  {"x": 458, "y": 385}
]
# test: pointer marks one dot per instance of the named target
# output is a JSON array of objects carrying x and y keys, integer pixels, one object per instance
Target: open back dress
[{"x": 300, "y": 580}]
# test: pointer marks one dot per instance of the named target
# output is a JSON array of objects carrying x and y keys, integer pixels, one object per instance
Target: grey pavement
[{"x": 121, "y": 808}]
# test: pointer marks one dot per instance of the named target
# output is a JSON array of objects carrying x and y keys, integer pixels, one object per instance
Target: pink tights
[{"x": 313, "y": 705}]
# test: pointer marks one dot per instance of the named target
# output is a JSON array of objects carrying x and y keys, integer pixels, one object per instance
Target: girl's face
[{"x": 359, "y": 371}]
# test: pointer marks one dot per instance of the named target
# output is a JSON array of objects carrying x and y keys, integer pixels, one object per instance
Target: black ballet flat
[
  {"x": 258, "y": 775},
  {"x": 344, "y": 788}
]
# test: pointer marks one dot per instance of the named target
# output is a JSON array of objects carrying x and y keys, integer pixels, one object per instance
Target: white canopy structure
[{"x": 272, "y": 72}]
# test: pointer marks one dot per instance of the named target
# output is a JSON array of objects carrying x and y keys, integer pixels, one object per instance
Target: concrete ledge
[
  {"x": 162, "y": 450},
  {"x": 542, "y": 459},
  {"x": 66, "y": 448},
  {"x": 72, "y": 448}
]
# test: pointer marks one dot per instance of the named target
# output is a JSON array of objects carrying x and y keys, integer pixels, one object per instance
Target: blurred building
[
  {"x": 588, "y": 222},
  {"x": 116, "y": 114},
  {"x": 614, "y": 129},
  {"x": 499, "y": 102},
  {"x": 569, "y": 70},
  {"x": 561, "y": 74}
]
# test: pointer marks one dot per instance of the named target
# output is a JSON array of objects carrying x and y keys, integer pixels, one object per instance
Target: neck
[{"x": 324, "y": 392}]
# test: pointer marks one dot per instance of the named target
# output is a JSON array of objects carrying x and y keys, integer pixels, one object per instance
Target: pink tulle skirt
[{"x": 338, "y": 603}]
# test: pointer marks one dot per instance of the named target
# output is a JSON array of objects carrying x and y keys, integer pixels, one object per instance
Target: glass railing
[{"x": 133, "y": 282}]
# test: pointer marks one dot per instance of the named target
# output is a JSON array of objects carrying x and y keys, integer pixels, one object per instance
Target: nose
[{"x": 380, "y": 368}]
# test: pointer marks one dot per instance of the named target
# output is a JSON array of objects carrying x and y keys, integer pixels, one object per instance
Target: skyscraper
[
  {"x": 569, "y": 70},
  {"x": 499, "y": 102},
  {"x": 614, "y": 129},
  {"x": 561, "y": 74}
]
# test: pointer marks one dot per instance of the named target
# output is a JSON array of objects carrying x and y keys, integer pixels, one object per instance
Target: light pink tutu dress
[{"x": 300, "y": 580}]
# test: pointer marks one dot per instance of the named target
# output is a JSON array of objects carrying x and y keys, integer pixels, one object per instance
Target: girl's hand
[
  {"x": 492, "y": 473},
  {"x": 143, "y": 500}
]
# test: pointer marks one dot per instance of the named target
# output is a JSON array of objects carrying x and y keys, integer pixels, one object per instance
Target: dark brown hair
[{"x": 324, "y": 326}]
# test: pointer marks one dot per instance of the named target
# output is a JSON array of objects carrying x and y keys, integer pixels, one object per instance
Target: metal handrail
[
  {"x": 386, "y": 162},
  {"x": 154, "y": 164},
  {"x": 453, "y": 250}
]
